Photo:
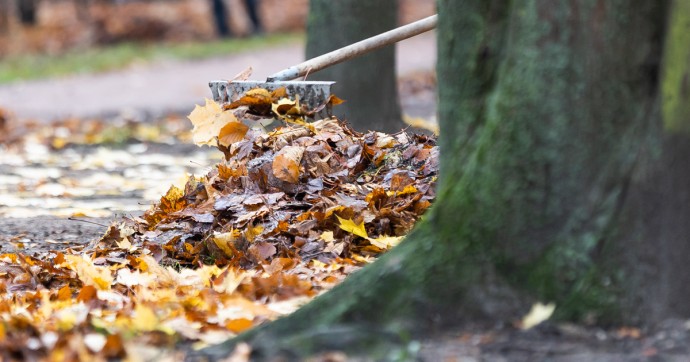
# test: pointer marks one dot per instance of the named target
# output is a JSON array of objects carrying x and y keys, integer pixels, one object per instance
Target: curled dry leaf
[
  {"x": 287, "y": 109},
  {"x": 243, "y": 75},
  {"x": 258, "y": 100},
  {"x": 286, "y": 164},
  {"x": 232, "y": 132}
]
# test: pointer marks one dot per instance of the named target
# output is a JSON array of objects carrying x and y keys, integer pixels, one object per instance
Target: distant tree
[
  {"x": 367, "y": 83},
  {"x": 27, "y": 11}
]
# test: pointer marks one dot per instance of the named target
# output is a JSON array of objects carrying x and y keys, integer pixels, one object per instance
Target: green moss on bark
[{"x": 676, "y": 74}]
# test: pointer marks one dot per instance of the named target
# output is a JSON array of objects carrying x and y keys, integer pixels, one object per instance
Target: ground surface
[{"x": 95, "y": 183}]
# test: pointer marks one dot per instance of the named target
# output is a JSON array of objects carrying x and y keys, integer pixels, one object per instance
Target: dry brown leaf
[
  {"x": 286, "y": 163},
  {"x": 243, "y": 75},
  {"x": 278, "y": 93},
  {"x": 286, "y": 108},
  {"x": 258, "y": 99},
  {"x": 262, "y": 250}
]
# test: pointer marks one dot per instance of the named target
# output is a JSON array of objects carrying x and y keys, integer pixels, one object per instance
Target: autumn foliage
[{"x": 285, "y": 216}]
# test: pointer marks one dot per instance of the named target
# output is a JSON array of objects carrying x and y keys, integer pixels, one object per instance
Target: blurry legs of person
[
  {"x": 252, "y": 11},
  {"x": 221, "y": 18}
]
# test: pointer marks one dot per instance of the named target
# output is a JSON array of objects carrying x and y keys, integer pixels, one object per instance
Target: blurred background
[
  {"x": 57, "y": 26},
  {"x": 145, "y": 58}
]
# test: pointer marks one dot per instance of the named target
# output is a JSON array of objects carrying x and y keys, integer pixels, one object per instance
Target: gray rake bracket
[{"x": 311, "y": 93}]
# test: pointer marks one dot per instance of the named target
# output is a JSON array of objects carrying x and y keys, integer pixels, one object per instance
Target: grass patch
[{"x": 120, "y": 56}]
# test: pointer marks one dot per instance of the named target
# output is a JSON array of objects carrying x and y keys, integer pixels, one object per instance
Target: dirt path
[{"x": 170, "y": 87}]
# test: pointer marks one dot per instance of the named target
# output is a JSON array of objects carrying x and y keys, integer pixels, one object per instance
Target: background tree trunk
[
  {"x": 27, "y": 12},
  {"x": 367, "y": 83},
  {"x": 559, "y": 182}
]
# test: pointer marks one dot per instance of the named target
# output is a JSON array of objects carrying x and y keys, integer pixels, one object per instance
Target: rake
[{"x": 317, "y": 93}]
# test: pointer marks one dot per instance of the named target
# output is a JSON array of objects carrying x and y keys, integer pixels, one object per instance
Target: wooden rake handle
[{"x": 356, "y": 49}]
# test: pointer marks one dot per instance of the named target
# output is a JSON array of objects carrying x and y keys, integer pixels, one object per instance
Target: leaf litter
[{"x": 285, "y": 215}]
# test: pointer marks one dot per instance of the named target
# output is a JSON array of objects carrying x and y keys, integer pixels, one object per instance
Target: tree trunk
[
  {"x": 559, "y": 182},
  {"x": 367, "y": 83}
]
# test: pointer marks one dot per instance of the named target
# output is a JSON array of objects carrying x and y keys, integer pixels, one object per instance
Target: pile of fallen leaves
[{"x": 287, "y": 214}]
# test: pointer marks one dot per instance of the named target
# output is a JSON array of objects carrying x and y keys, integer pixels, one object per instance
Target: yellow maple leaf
[
  {"x": 144, "y": 319},
  {"x": 409, "y": 189},
  {"x": 208, "y": 120},
  {"x": 350, "y": 226},
  {"x": 88, "y": 273},
  {"x": 251, "y": 232},
  {"x": 385, "y": 242}
]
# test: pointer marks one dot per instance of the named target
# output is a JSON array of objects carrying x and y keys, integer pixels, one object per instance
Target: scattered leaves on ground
[{"x": 93, "y": 168}]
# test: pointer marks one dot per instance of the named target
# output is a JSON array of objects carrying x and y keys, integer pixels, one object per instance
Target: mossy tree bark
[
  {"x": 367, "y": 83},
  {"x": 559, "y": 182}
]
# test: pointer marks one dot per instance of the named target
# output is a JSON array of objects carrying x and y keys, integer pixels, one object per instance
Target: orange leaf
[
  {"x": 333, "y": 100},
  {"x": 65, "y": 293},
  {"x": 232, "y": 132},
  {"x": 87, "y": 293},
  {"x": 278, "y": 93},
  {"x": 239, "y": 325}
]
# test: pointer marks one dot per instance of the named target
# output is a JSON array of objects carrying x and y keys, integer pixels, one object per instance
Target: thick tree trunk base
[{"x": 654, "y": 235}]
